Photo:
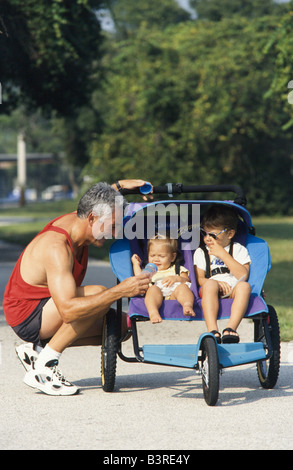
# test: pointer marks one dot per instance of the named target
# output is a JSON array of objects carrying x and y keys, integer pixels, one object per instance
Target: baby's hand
[
  {"x": 135, "y": 259},
  {"x": 169, "y": 281}
]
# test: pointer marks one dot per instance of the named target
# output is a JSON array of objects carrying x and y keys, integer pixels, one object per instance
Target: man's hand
[
  {"x": 134, "y": 286},
  {"x": 133, "y": 184}
]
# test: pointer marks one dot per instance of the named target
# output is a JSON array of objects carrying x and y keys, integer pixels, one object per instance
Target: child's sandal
[{"x": 230, "y": 338}]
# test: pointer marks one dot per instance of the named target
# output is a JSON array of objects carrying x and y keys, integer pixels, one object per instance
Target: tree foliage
[
  {"x": 165, "y": 98},
  {"x": 129, "y": 15},
  {"x": 215, "y": 11},
  {"x": 191, "y": 103},
  {"x": 46, "y": 53}
]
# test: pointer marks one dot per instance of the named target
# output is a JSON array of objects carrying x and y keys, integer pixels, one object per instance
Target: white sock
[
  {"x": 38, "y": 349},
  {"x": 46, "y": 355}
]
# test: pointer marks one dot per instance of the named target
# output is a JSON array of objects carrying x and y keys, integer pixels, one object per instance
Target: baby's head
[{"x": 162, "y": 251}]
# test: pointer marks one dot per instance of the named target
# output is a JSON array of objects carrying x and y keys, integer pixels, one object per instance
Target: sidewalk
[{"x": 152, "y": 406}]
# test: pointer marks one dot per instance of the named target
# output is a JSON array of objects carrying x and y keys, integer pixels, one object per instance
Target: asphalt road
[{"x": 152, "y": 407}]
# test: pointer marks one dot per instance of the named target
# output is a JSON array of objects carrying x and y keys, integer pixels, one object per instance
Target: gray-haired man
[{"x": 44, "y": 298}]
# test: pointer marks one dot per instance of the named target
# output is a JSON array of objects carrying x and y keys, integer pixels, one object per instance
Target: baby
[{"x": 166, "y": 284}]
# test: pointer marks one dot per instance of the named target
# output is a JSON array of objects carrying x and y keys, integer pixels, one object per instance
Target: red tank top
[{"x": 21, "y": 298}]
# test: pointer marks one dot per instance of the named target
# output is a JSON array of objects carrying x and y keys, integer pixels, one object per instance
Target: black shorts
[{"x": 29, "y": 329}]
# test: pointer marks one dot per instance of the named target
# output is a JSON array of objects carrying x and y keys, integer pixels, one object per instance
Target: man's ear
[{"x": 91, "y": 218}]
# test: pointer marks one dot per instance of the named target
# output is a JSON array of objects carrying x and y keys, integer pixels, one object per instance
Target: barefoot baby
[{"x": 166, "y": 283}]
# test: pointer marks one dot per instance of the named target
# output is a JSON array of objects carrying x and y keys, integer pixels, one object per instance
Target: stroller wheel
[
  {"x": 210, "y": 371},
  {"x": 268, "y": 370},
  {"x": 110, "y": 342}
]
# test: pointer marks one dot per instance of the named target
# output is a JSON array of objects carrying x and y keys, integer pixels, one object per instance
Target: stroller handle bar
[{"x": 178, "y": 188}]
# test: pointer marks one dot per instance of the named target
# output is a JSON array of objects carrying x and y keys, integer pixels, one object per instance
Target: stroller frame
[{"x": 205, "y": 356}]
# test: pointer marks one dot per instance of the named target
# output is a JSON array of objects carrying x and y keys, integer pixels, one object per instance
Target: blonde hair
[{"x": 164, "y": 240}]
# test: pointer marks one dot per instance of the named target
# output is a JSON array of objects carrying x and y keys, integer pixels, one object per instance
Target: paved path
[{"x": 152, "y": 407}]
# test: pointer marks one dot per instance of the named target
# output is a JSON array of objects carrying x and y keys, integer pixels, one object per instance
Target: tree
[
  {"x": 190, "y": 104},
  {"x": 214, "y": 10},
  {"x": 47, "y": 52},
  {"x": 129, "y": 15}
]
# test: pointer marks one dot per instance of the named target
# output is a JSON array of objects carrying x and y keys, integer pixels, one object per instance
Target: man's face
[{"x": 106, "y": 227}]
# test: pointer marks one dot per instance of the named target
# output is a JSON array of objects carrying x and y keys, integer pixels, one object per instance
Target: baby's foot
[
  {"x": 155, "y": 317},
  {"x": 188, "y": 309}
]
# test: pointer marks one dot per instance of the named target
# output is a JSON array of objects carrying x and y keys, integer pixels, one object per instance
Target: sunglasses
[{"x": 211, "y": 234}]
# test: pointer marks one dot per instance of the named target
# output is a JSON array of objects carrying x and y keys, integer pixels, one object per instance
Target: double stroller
[{"x": 182, "y": 216}]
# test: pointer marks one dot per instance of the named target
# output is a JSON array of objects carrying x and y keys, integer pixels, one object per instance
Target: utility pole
[{"x": 21, "y": 166}]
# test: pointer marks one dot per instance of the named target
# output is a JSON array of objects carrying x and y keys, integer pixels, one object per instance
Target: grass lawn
[
  {"x": 278, "y": 287},
  {"x": 277, "y": 231},
  {"x": 40, "y": 214}
]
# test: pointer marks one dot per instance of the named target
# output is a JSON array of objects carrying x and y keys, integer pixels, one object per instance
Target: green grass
[
  {"x": 40, "y": 209},
  {"x": 277, "y": 231},
  {"x": 40, "y": 214},
  {"x": 278, "y": 284}
]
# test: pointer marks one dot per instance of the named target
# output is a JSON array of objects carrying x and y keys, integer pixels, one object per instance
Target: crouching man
[{"x": 44, "y": 300}]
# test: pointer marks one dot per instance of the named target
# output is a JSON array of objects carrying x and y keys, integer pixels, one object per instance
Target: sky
[
  {"x": 185, "y": 5},
  {"x": 108, "y": 25}
]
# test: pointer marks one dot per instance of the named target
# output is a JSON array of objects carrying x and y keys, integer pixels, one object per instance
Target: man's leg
[
  {"x": 45, "y": 375},
  {"x": 79, "y": 332}
]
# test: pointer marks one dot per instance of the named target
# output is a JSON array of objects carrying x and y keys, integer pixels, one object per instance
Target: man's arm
[
  {"x": 62, "y": 287},
  {"x": 128, "y": 184},
  {"x": 131, "y": 184}
]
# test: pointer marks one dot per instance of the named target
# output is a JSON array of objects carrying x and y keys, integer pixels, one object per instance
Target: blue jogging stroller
[{"x": 205, "y": 356}]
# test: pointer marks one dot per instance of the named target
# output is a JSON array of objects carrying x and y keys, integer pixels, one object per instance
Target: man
[{"x": 44, "y": 301}]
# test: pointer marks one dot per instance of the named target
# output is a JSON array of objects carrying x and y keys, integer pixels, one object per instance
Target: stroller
[{"x": 205, "y": 356}]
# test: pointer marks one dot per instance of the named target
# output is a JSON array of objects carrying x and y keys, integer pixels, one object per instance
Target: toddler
[
  {"x": 166, "y": 284},
  {"x": 226, "y": 273}
]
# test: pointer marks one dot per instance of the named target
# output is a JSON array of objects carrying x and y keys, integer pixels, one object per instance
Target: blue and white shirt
[{"x": 240, "y": 254}]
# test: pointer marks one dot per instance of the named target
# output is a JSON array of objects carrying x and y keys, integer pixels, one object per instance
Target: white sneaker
[
  {"x": 49, "y": 380},
  {"x": 27, "y": 355}
]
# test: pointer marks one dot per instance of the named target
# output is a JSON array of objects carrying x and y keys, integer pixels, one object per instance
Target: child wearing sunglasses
[{"x": 222, "y": 269}]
